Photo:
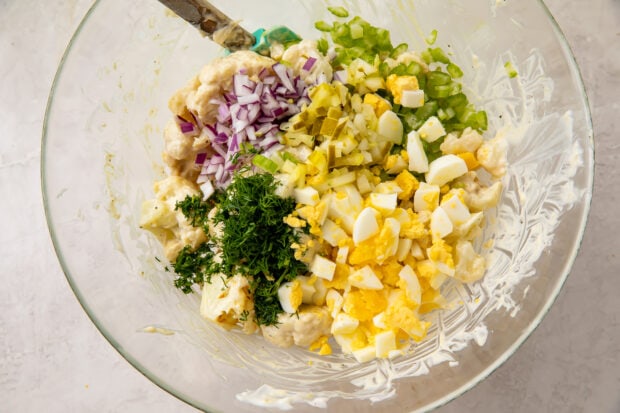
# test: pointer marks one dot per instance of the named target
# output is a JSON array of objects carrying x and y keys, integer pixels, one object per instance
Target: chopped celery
[
  {"x": 322, "y": 26},
  {"x": 401, "y": 48},
  {"x": 322, "y": 46},
  {"x": 439, "y": 55},
  {"x": 438, "y": 91},
  {"x": 431, "y": 38},
  {"x": 265, "y": 163},
  {"x": 437, "y": 78},
  {"x": 338, "y": 11},
  {"x": 454, "y": 71}
]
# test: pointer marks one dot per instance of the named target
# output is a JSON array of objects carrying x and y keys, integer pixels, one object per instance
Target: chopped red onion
[
  {"x": 200, "y": 158},
  {"x": 309, "y": 64},
  {"x": 252, "y": 112}
]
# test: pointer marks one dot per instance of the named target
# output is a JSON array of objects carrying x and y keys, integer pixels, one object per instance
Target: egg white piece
[
  {"x": 385, "y": 203},
  {"x": 332, "y": 233},
  {"x": 307, "y": 289},
  {"x": 290, "y": 296},
  {"x": 418, "y": 161},
  {"x": 344, "y": 324},
  {"x": 414, "y": 291},
  {"x": 444, "y": 169},
  {"x": 365, "y": 278},
  {"x": 323, "y": 268},
  {"x": 306, "y": 195},
  {"x": 365, "y": 225},
  {"x": 385, "y": 342},
  {"x": 412, "y": 98},
  {"x": 390, "y": 126},
  {"x": 441, "y": 224},
  {"x": 334, "y": 301},
  {"x": 404, "y": 248},
  {"x": 342, "y": 255},
  {"x": 422, "y": 196},
  {"x": 431, "y": 130},
  {"x": 456, "y": 210}
]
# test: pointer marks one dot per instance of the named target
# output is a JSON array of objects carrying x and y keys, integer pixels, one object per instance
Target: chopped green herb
[
  {"x": 255, "y": 243},
  {"x": 194, "y": 209},
  {"x": 194, "y": 267}
]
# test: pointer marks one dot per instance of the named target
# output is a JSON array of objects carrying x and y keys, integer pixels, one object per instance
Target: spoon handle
[{"x": 213, "y": 23}]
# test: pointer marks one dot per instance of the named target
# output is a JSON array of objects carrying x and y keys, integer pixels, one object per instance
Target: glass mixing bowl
[{"x": 101, "y": 153}]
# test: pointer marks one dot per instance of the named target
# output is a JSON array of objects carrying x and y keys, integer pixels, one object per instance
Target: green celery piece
[
  {"x": 323, "y": 26},
  {"x": 438, "y": 78},
  {"x": 454, "y": 71},
  {"x": 338, "y": 11},
  {"x": 439, "y": 55}
]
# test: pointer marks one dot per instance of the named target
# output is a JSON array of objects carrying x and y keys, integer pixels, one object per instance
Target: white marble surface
[{"x": 53, "y": 359}]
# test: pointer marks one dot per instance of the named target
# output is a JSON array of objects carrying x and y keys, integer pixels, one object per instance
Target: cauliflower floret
[
  {"x": 169, "y": 225},
  {"x": 301, "y": 329},
  {"x": 200, "y": 94},
  {"x": 477, "y": 196},
  {"x": 469, "y": 141},
  {"x": 177, "y": 144},
  {"x": 297, "y": 55},
  {"x": 492, "y": 156},
  {"x": 228, "y": 303},
  {"x": 469, "y": 265}
]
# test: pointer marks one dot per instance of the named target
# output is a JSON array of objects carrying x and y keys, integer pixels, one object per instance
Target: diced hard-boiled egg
[
  {"x": 440, "y": 254},
  {"x": 290, "y": 295},
  {"x": 379, "y": 321},
  {"x": 332, "y": 233},
  {"x": 412, "y": 98},
  {"x": 342, "y": 255},
  {"x": 431, "y": 130},
  {"x": 307, "y": 288},
  {"x": 444, "y": 169},
  {"x": 441, "y": 225},
  {"x": 416, "y": 251},
  {"x": 418, "y": 162},
  {"x": 390, "y": 126},
  {"x": 323, "y": 268},
  {"x": 306, "y": 195},
  {"x": 426, "y": 198},
  {"x": 365, "y": 225},
  {"x": 334, "y": 301},
  {"x": 388, "y": 238},
  {"x": 379, "y": 104},
  {"x": 398, "y": 84},
  {"x": 344, "y": 324},
  {"x": 365, "y": 278},
  {"x": 412, "y": 286},
  {"x": 386, "y": 203},
  {"x": 456, "y": 209},
  {"x": 404, "y": 248},
  {"x": 321, "y": 291},
  {"x": 385, "y": 342}
]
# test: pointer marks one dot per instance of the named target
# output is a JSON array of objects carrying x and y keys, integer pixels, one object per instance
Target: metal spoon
[{"x": 212, "y": 23}]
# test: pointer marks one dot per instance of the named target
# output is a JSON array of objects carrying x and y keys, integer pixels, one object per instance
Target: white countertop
[{"x": 53, "y": 359}]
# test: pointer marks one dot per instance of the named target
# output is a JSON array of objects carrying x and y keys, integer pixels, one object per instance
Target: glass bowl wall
[{"x": 101, "y": 153}]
